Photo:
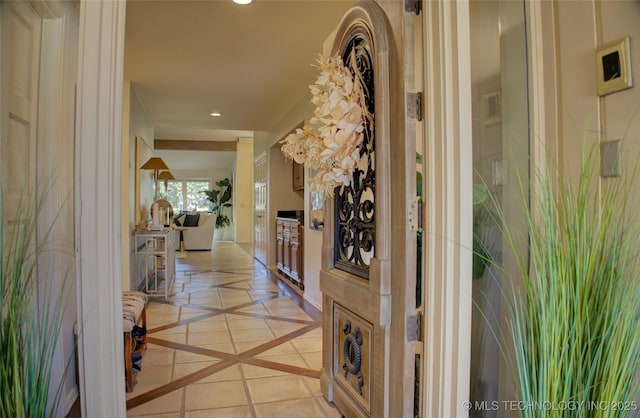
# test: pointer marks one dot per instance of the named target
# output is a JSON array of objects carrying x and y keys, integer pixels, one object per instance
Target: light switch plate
[{"x": 610, "y": 152}]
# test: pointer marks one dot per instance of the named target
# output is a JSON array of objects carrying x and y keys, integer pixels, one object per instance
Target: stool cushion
[{"x": 133, "y": 303}]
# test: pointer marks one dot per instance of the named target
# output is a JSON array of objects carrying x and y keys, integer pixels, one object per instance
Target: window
[{"x": 185, "y": 194}]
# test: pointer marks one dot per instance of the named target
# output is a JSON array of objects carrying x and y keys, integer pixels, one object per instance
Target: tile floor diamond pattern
[{"x": 230, "y": 342}]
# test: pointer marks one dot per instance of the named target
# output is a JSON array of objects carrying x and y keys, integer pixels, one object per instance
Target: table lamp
[{"x": 156, "y": 164}]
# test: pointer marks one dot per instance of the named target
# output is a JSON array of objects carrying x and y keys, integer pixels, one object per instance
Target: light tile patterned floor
[{"x": 230, "y": 342}]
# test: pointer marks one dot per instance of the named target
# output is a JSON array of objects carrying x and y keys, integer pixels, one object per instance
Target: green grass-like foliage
[
  {"x": 575, "y": 316},
  {"x": 31, "y": 317}
]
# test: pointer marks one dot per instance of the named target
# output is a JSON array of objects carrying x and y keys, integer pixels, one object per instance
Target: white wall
[
  {"x": 55, "y": 158},
  {"x": 211, "y": 174}
]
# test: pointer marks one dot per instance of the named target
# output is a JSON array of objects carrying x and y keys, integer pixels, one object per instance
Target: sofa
[{"x": 197, "y": 230}]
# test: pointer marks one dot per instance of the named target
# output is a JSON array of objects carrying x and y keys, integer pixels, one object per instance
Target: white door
[
  {"x": 260, "y": 210},
  {"x": 20, "y": 54}
]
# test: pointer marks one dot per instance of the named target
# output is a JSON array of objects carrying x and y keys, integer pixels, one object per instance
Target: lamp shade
[
  {"x": 154, "y": 163},
  {"x": 166, "y": 175}
]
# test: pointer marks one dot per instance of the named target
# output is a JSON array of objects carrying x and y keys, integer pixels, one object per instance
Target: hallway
[{"x": 230, "y": 342}]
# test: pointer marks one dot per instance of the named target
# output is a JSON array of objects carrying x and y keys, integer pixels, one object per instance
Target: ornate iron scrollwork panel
[{"x": 355, "y": 204}]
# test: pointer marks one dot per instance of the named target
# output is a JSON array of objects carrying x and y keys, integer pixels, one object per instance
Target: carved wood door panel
[{"x": 368, "y": 360}]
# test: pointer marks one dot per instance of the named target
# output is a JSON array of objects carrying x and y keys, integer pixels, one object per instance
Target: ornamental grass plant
[
  {"x": 572, "y": 339},
  {"x": 31, "y": 319}
]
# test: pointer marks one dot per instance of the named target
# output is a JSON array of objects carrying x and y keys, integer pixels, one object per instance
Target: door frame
[
  {"x": 99, "y": 113},
  {"x": 98, "y": 159},
  {"x": 448, "y": 202},
  {"x": 260, "y": 238}
]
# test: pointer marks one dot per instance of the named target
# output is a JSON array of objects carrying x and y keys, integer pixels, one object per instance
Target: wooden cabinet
[{"x": 290, "y": 250}]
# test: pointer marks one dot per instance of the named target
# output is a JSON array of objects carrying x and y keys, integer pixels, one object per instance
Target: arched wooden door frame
[{"x": 366, "y": 318}]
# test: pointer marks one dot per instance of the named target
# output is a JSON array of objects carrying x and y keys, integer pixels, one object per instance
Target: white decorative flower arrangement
[{"x": 340, "y": 116}]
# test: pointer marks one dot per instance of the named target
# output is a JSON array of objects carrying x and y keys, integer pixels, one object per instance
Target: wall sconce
[{"x": 156, "y": 164}]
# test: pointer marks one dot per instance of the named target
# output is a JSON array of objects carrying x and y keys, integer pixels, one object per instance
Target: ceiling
[{"x": 251, "y": 63}]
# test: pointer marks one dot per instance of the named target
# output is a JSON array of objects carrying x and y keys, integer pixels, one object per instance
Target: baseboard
[
  {"x": 287, "y": 282},
  {"x": 317, "y": 305}
]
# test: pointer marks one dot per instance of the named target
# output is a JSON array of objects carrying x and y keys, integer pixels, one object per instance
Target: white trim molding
[
  {"x": 543, "y": 83},
  {"x": 98, "y": 157},
  {"x": 448, "y": 192}
]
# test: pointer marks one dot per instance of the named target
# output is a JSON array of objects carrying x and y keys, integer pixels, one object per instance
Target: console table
[{"x": 155, "y": 253}]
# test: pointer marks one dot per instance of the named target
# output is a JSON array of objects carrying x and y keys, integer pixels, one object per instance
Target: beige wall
[
  {"x": 281, "y": 196},
  {"x": 126, "y": 192},
  {"x": 621, "y": 18},
  {"x": 582, "y": 28},
  {"x": 243, "y": 196},
  {"x": 135, "y": 122}
]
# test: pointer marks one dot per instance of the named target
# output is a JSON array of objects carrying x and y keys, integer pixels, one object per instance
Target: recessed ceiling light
[
  {"x": 242, "y": 1},
  {"x": 215, "y": 114}
]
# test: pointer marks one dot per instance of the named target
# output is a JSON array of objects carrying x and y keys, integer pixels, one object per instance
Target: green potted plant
[
  {"x": 220, "y": 199},
  {"x": 572, "y": 338}
]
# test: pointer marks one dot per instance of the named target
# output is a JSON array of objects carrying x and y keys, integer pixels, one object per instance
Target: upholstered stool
[{"x": 134, "y": 312}]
